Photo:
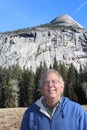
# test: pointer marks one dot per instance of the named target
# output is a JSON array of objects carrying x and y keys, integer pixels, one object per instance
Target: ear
[{"x": 62, "y": 88}]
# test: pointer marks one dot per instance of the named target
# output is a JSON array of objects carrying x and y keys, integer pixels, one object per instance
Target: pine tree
[
  {"x": 8, "y": 98},
  {"x": 81, "y": 93},
  {"x": 63, "y": 71},
  {"x": 26, "y": 88},
  {"x": 81, "y": 74},
  {"x": 82, "y": 86},
  {"x": 55, "y": 64},
  {"x": 72, "y": 83},
  {"x": 40, "y": 70}
]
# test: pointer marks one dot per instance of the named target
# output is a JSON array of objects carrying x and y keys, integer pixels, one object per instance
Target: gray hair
[{"x": 49, "y": 71}]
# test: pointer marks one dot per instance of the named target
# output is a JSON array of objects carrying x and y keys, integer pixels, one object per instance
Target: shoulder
[
  {"x": 72, "y": 104},
  {"x": 32, "y": 108}
]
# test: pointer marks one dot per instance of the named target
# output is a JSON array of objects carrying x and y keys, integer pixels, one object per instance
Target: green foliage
[
  {"x": 8, "y": 99},
  {"x": 72, "y": 83},
  {"x": 27, "y": 89},
  {"x": 40, "y": 70},
  {"x": 82, "y": 98},
  {"x": 61, "y": 68},
  {"x": 55, "y": 65},
  {"x": 15, "y": 72}
]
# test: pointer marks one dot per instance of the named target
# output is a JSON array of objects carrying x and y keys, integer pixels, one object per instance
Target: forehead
[{"x": 51, "y": 75}]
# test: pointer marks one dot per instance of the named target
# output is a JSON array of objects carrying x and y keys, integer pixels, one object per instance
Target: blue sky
[{"x": 19, "y": 14}]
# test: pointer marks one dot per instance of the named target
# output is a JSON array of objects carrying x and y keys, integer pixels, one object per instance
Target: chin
[{"x": 52, "y": 96}]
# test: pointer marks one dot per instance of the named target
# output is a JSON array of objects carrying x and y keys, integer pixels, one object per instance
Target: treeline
[{"x": 20, "y": 87}]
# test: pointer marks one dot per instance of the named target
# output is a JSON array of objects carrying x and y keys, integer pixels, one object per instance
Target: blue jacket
[{"x": 68, "y": 116}]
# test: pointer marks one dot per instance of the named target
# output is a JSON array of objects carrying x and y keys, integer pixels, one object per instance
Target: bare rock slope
[{"x": 62, "y": 38}]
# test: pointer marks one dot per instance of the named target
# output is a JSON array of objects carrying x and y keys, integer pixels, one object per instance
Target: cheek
[{"x": 43, "y": 90}]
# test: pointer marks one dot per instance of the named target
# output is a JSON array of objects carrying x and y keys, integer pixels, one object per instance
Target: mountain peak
[{"x": 66, "y": 20}]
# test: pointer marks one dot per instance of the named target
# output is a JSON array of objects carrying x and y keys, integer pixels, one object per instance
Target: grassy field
[{"x": 10, "y": 118}]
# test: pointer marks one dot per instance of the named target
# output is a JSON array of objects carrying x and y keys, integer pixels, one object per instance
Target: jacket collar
[{"x": 43, "y": 109}]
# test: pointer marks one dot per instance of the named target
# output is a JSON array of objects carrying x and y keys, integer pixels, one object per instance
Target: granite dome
[{"x": 66, "y": 20}]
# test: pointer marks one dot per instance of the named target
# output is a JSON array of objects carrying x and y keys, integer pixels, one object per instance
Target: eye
[
  {"x": 46, "y": 82},
  {"x": 55, "y": 81}
]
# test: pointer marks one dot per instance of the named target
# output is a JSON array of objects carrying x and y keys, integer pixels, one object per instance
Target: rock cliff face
[{"x": 28, "y": 47}]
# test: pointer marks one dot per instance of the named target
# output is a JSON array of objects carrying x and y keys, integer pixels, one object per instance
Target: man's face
[{"x": 52, "y": 87}]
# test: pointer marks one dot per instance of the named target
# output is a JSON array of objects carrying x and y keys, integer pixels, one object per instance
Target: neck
[{"x": 51, "y": 102}]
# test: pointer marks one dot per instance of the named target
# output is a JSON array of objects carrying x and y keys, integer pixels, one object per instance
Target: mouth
[{"x": 51, "y": 90}]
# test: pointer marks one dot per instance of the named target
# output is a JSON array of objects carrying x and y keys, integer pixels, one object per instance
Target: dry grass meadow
[{"x": 10, "y": 118}]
